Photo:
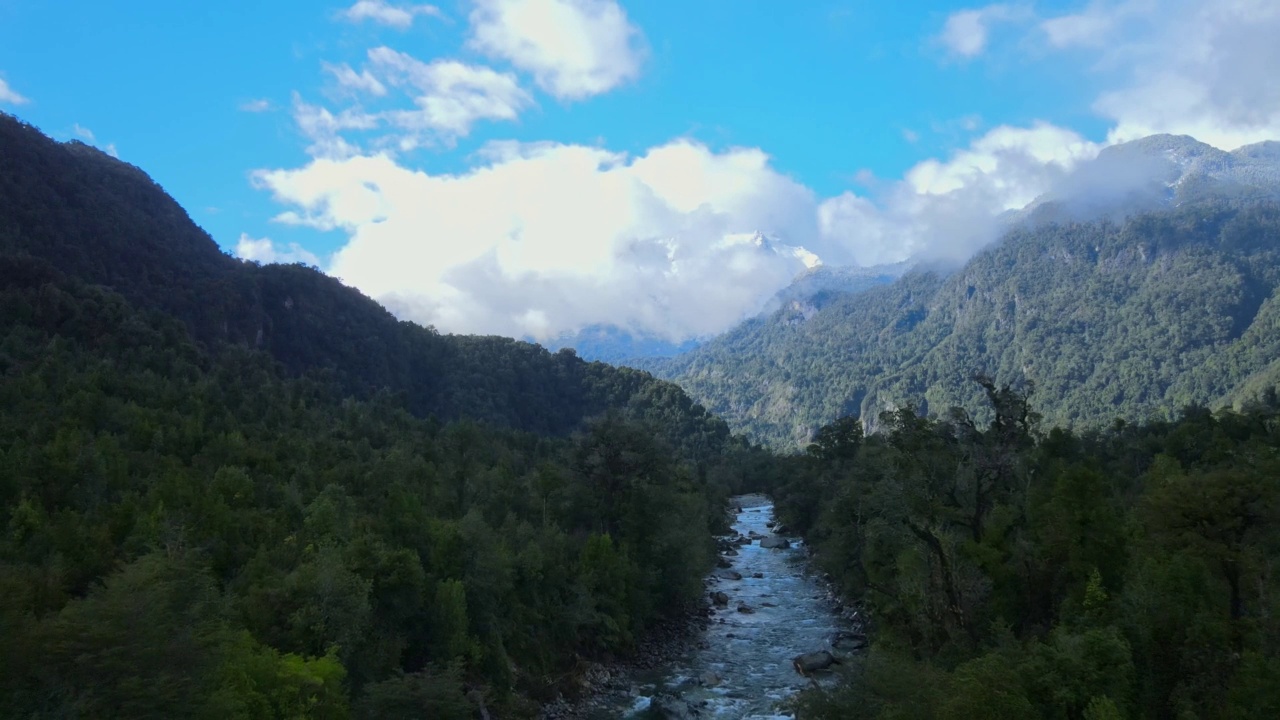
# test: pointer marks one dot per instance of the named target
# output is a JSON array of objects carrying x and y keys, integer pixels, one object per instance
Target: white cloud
[
  {"x": 397, "y": 16},
  {"x": 573, "y": 48},
  {"x": 325, "y": 129},
  {"x": 257, "y": 105},
  {"x": 546, "y": 238},
  {"x": 82, "y": 132},
  {"x": 1204, "y": 68},
  {"x": 949, "y": 209},
  {"x": 265, "y": 251},
  {"x": 362, "y": 82},
  {"x": 966, "y": 32},
  {"x": 1099, "y": 23},
  {"x": 9, "y": 96},
  {"x": 448, "y": 98}
]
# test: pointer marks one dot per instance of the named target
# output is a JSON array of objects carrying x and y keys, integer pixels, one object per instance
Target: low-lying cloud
[{"x": 548, "y": 238}]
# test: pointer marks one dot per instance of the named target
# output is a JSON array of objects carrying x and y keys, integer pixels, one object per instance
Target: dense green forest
[
  {"x": 188, "y": 534},
  {"x": 231, "y": 490},
  {"x": 240, "y": 491},
  {"x": 1013, "y": 572},
  {"x": 1131, "y": 319}
]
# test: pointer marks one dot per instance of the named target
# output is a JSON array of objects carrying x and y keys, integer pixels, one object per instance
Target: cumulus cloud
[
  {"x": 966, "y": 32},
  {"x": 9, "y": 96},
  {"x": 546, "y": 238},
  {"x": 573, "y": 48},
  {"x": 384, "y": 13},
  {"x": 263, "y": 250},
  {"x": 681, "y": 241}
]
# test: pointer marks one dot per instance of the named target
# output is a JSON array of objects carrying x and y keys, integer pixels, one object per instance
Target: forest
[
  {"x": 232, "y": 490},
  {"x": 190, "y": 534},
  {"x": 1010, "y": 570},
  {"x": 1132, "y": 318},
  {"x": 240, "y": 491}
]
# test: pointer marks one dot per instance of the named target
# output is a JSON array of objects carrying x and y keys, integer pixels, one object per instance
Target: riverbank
[{"x": 736, "y": 659}]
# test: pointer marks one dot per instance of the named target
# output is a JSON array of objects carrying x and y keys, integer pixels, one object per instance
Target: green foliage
[
  {"x": 1132, "y": 319},
  {"x": 185, "y": 528},
  {"x": 1114, "y": 574}
]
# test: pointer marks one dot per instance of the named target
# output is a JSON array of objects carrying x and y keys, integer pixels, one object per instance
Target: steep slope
[
  {"x": 1105, "y": 319},
  {"x": 105, "y": 222}
]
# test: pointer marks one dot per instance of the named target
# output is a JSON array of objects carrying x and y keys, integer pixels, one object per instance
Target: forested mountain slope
[
  {"x": 186, "y": 534},
  {"x": 231, "y": 491},
  {"x": 1107, "y": 319},
  {"x": 105, "y": 222}
]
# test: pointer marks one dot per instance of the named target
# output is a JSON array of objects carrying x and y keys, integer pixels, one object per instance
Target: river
[{"x": 742, "y": 668}]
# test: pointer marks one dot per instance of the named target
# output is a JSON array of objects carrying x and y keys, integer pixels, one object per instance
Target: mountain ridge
[
  {"x": 107, "y": 223},
  {"x": 1105, "y": 319}
]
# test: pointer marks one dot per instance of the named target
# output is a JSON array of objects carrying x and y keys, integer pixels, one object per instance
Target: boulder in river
[
  {"x": 775, "y": 543},
  {"x": 723, "y": 564},
  {"x": 814, "y": 662},
  {"x": 757, "y": 575},
  {"x": 719, "y": 598},
  {"x": 745, "y": 608},
  {"x": 726, "y": 574}
]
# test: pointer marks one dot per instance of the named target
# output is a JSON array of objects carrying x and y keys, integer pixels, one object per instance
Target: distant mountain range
[
  {"x": 1147, "y": 281},
  {"x": 804, "y": 295}
]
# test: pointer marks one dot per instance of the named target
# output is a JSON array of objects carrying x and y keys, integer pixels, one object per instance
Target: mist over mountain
[
  {"x": 1157, "y": 172},
  {"x": 1145, "y": 283},
  {"x": 611, "y": 344}
]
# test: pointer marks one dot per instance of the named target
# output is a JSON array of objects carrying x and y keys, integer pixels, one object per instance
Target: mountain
[
  {"x": 809, "y": 289},
  {"x": 105, "y": 222},
  {"x": 611, "y": 344},
  {"x": 1105, "y": 318},
  {"x": 1154, "y": 173}
]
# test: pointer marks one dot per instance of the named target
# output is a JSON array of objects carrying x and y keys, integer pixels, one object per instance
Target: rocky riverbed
[{"x": 768, "y": 613}]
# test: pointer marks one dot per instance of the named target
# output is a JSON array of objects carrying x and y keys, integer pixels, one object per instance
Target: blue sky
[{"x": 498, "y": 181}]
